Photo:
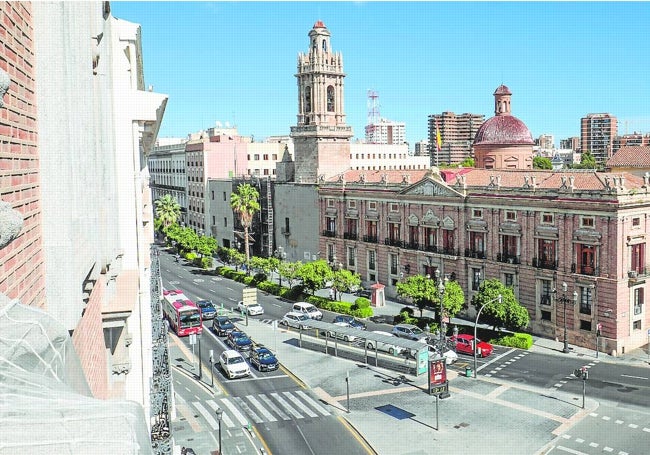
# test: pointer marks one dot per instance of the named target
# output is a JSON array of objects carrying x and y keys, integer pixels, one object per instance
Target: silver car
[{"x": 294, "y": 319}]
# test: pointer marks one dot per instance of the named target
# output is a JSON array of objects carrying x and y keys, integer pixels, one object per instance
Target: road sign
[
  {"x": 249, "y": 295},
  {"x": 193, "y": 338}
]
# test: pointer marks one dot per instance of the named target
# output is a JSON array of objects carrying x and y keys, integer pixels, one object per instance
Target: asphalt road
[{"x": 287, "y": 417}]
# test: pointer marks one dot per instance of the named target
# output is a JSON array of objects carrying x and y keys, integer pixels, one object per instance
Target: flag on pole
[{"x": 438, "y": 138}]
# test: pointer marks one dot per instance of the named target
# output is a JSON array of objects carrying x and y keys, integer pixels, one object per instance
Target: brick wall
[{"x": 21, "y": 262}]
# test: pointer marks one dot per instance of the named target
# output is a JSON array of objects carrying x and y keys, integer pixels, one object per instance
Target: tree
[
  {"x": 245, "y": 203},
  {"x": 541, "y": 162},
  {"x": 587, "y": 161},
  {"x": 206, "y": 245},
  {"x": 424, "y": 292},
  {"x": 344, "y": 280},
  {"x": 509, "y": 313},
  {"x": 315, "y": 274},
  {"x": 289, "y": 271},
  {"x": 468, "y": 162},
  {"x": 168, "y": 211}
]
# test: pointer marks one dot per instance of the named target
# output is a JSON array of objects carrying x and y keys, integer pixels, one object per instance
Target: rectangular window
[
  {"x": 394, "y": 264},
  {"x": 393, "y": 233},
  {"x": 331, "y": 226},
  {"x": 636, "y": 325},
  {"x": 371, "y": 232},
  {"x": 509, "y": 279},
  {"x": 257, "y": 157},
  {"x": 372, "y": 264},
  {"x": 214, "y": 220},
  {"x": 548, "y": 218},
  {"x": 587, "y": 221},
  {"x": 266, "y": 157},
  {"x": 546, "y": 315},
  {"x": 477, "y": 213},
  {"x": 638, "y": 301},
  {"x": 585, "y": 325},
  {"x": 330, "y": 252},
  {"x": 274, "y": 157},
  {"x": 224, "y": 195},
  {"x": 636, "y": 222},
  {"x": 286, "y": 226},
  {"x": 511, "y": 216},
  {"x": 448, "y": 241},
  {"x": 546, "y": 253},
  {"x": 477, "y": 243},
  {"x": 509, "y": 244},
  {"x": 212, "y": 195},
  {"x": 225, "y": 222},
  {"x": 330, "y": 203},
  {"x": 352, "y": 204},
  {"x": 637, "y": 257},
  {"x": 430, "y": 239},
  {"x": 351, "y": 256},
  {"x": 394, "y": 207},
  {"x": 372, "y": 205},
  {"x": 414, "y": 236},
  {"x": 586, "y": 299},
  {"x": 546, "y": 291},
  {"x": 476, "y": 279},
  {"x": 586, "y": 259}
]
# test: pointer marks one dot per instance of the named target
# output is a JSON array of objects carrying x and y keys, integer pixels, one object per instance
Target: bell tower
[{"x": 321, "y": 137}]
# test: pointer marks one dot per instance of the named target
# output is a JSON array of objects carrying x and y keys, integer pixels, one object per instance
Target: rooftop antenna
[{"x": 373, "y": 107}]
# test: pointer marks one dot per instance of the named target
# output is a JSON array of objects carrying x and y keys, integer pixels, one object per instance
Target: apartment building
[
  {"x": 457, "y": 134},
  {"x": 630, "y": 140},
  {"x": 597, "y": 133},
  {"x": 386, "y": 132},
  {"x": 168, "y": 173}
]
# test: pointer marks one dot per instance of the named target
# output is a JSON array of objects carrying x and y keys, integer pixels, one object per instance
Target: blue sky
[{"x": 235, "y": 61}]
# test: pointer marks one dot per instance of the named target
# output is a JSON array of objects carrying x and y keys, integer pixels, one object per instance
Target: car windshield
[
  {"x": 241, "y": 338},
  {"x": 417, "y": 330},
  {"x": 203, "y": 304},
  {"x": 302, "y": 317},
  {"x": 312, "y": 309},
  {"x": 237, "y": 359},
  {"x": 265, "y": 355}
]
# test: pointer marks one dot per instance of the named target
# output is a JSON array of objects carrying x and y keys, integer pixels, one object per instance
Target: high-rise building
[
  {"x": 457, "y": 134},
  {"x": 570, "y": 143},
  {"x": 597, "y": 132},
  {"x": 386, "y": 132},
  {"x": 630, "y": 140},
  {"x": 422, "y": 148}
]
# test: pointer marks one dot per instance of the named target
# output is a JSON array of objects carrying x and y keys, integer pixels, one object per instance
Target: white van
[{"x": 308, "y": 310}]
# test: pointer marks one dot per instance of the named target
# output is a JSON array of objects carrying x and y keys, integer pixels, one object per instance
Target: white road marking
[
  {"x": 269, "y": 417},
  {"x": 206, "y": 414},
  {"x": 226, "y": 419},
  {"x": 238, "y": 415},
  {"x": 593, "y": 444},
  {"x": 607, "y": 449},
  {"x": 286, "y": 405},
  {"x": 273, "y": 407},
  {"x": 633, "y": 426},
  {"x": 300, "y": 405},
  {"x": 247, "y": 409},
  {"x": 580, "y": 440},
  {"x": 566, "y": 436},
  {"x": 574, "y": 452},
  {"x": 618, "y": 422},
  {"x": 313, "y": 403},
  {"x": 606, "y": 418},
  {"x": 496, "y": 359},
  {"x": 634, "y": 377}
]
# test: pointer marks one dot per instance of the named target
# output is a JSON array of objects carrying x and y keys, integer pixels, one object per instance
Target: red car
[{"x": 465, "y": 344}]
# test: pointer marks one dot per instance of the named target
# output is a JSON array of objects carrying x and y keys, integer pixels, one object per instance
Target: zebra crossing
[{"x": 261, "y": 408}]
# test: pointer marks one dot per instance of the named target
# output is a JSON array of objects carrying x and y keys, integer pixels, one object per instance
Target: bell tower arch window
[
  {"x": 324, "y": 46},
  {"x": 330, "y": 99},
  {"x": 307, "y": 99}
]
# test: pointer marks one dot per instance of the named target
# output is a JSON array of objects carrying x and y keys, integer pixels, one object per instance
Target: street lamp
[
  {"x": 281, "y": 255},
  {"x": 564, "y": 299},
  {"x": 499, "y": 298},
  {"x": 219, "y": 412}
]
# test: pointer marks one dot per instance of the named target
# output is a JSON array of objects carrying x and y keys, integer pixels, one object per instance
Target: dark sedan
[
  {"x": 222, "y": 325},
  {"x": 350, "y": 320},
  {"x": 263, "y": 359},
  {"x": 239, "y": 341}
]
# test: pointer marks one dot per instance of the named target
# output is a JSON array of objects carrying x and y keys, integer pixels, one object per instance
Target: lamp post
[
  {"x": 564, "y": 299},
  {"x": 281, "y": 255},
  {"x": 219, "y": 412},
  {"x": 498, "y": 298}
]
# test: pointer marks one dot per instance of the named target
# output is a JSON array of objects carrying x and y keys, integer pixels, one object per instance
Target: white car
[
  {"x": 233, "y": 364},
  {"x": 449, "y": 355},
  {"x": 342, "y": 336},
  {"x": 253, "y": 309},
  {"x": 293, "y": 319},
  {"x": 308, "y": 310},
  {"x": 381, "y": 346}
]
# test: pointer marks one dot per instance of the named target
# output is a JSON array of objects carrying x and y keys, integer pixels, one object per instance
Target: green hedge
[{"x": 517, "y": 340}]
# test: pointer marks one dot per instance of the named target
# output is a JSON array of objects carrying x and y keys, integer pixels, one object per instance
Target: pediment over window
[
  {"x": 510, "y": 228},
  {"x": 448, "y": 223},
  {"x": 413, "y": 220},
  {"x": 430, "y": 219}
]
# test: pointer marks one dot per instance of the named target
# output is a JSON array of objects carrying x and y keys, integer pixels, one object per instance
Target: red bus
[{"x": 183, "y": 315}]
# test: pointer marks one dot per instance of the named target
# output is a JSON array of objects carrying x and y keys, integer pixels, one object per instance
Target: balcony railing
[
  {"x": 393, "y": 242},
  {"x": 545, "y": 264},
  {"x": 474, "y": 254},
  {"x": 412, "y": 245},
  {"x": 350, "y": 235},
  {"x": 431, "y": 248},
  {"x": 449, "y": 251},
  {"x": 327, "y": 233},
  {"x": 371, "y": 239},
  {"x": 508, "y": 258}
]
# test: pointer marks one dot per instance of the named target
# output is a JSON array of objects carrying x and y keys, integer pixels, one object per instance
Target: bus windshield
[{"x": 191, "y": 319}]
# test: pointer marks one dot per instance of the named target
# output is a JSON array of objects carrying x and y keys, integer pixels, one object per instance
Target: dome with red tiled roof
[
  {"x": 319, "y": 24},
  {"x": 502, "y": 90},
  {"x": 503, "y": 129}
]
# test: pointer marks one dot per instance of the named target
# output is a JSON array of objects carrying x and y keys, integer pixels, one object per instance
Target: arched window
[
  {"x": 308, "y": 99},
  {"x": 314, "y": 45},
  {"x": 330, "y": 99},
  {"x": 324, "y": 46}
]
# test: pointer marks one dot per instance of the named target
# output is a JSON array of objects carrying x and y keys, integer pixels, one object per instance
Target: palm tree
[
  {"x": 168, "y": 211},
  {"x": 245, "y": 203}
]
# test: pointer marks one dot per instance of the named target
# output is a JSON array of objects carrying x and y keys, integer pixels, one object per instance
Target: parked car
[
  {"x": 233, "y": 364},
  {"x": 351, "y": 320},
  {"x": 465, "y": 344},
  {"x": 263, "y": 359},
  {"x": 449, "y": 355},
  {"x": 239, "y": 341},
  {"x": 381, "y": 346},
  {"x": 308, "y": 310},
  {"x": 253, "y": 309},
  {"x": 208, "y": 311},
  {"x": 342, "y": 336},
  {"x": 410, "y": 332},
  {"x": 293, "y": 319},
  {"x": 222, "y": 325}
]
